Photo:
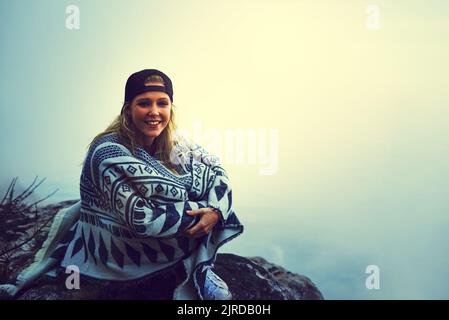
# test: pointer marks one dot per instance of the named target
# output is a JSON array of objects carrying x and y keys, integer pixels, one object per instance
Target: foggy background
[{"x": 361, "y": 114}]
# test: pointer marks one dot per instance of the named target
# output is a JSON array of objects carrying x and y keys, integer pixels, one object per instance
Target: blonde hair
[{"x": 162, "y": 145}]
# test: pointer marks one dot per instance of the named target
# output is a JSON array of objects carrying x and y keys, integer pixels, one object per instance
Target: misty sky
[{"x": 350, "y": 120}]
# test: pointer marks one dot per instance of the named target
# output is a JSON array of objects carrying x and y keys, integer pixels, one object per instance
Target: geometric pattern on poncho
[{"x": 133, "y": 212}]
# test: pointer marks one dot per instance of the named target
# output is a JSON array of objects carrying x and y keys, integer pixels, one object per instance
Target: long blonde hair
[{"x": 162, "y": 145}]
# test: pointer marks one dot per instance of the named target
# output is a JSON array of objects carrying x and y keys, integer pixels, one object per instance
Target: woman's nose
[{"x": 153, "y": 109}]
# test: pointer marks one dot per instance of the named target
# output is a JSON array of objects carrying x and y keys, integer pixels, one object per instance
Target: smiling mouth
[{"x": 153, "y": 123}]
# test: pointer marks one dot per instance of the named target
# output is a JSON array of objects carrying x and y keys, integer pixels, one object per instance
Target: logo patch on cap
[{"x": 148, "y": 82}]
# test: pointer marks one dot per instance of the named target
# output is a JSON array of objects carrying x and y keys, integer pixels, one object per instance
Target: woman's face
[{"x": 150, "y": 113}]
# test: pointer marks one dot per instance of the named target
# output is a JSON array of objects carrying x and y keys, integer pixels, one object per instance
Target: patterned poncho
[{"x": 132, "y": 214}]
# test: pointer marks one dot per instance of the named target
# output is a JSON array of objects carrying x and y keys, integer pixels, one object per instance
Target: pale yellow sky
[{"x": 360, "y": 115}]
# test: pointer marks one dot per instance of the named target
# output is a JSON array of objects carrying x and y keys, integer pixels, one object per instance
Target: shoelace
[
  {"x": 216, "y": 280},
  {"x": 215, "y": 287}
]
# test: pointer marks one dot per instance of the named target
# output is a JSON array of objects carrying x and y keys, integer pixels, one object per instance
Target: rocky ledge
[{"x": 248, "y": 278}]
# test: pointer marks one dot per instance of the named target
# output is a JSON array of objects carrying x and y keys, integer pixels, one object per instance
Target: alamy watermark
[
  {"x": 72, "y": 282},
  {"x": 72, "y": 20},
  {"x": 250, "y": 146},
  {"x": 373, "y": 280},
  {"x": 372, "y": 21}
]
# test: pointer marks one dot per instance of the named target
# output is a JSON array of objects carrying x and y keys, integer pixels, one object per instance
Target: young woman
[{"x": 150, "y": 200}]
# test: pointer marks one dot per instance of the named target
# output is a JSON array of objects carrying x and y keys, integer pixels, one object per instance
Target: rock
[
  {"x": 248, "y": 279},
  {"x": 256, "y": 278},
  {"x": 14, "y": 261}
]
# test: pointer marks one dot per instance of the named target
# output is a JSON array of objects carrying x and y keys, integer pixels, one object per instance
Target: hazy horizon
[{"x": 344, "y": 158}]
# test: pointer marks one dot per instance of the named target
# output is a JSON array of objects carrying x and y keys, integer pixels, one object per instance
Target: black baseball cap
[{"x": 137, "y": 84}]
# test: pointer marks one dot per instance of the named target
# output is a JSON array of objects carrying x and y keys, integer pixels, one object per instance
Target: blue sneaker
[{"x": 214, "y": 287}]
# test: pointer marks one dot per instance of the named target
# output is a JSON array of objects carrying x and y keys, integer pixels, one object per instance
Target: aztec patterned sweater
[{"x": 132, "y": 213}]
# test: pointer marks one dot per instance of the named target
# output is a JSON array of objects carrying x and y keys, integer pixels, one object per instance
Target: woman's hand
[{"x": 209, "y": 219}]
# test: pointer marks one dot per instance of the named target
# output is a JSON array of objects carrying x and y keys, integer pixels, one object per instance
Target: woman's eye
[
  {"x": 143, "y": 104},
  {"x": 163, "y": 104}
]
